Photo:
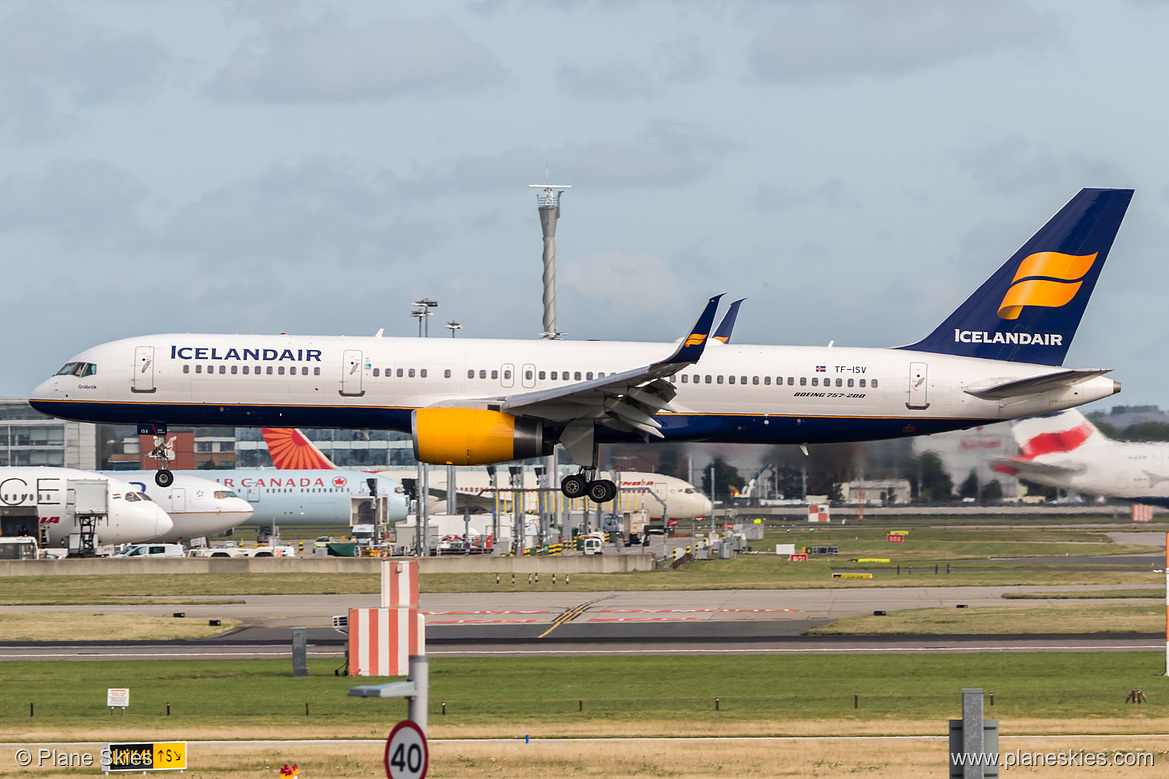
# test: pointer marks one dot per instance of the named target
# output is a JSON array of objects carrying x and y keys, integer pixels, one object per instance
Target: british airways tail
[
  {"x": 1060, "y": 433},
  {"x": 1028, "y": 311},
  {"x": 292, "y": 450}
]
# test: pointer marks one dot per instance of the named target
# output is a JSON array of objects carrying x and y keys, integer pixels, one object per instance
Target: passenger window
[
  {"x": 186, "y": 369},
  {"x": 803, "y": 381},
  {"x": 506, "y": 375},
  {"x": 482, "y": 373},
  {"x": 743, "y": 380},
  {"x": 541, "y": 375},
  {"x": 576, "y": 376},
  {"x": 553, "y": 376},
  {"x": 377, "y": 372},
  {"x": 792, "y": 380},
  {"x": 495, "y": 374},
  {"x": 399, "y": 373},
  {"x": 245, "y": 370},
  {"x": 874, "y": 384},
  {"x": 316, "y": 371},
  {"x": 222, "y": 370},
  {"x": 718, "y": 379},
  {"x": 304, "y": 371},
  {"x": 410, "y": 373},
  {"x": 754, "y": 379},
  {"x": 234, "y": 370},
  {"x": 684, "y": 379},
  {"x": 528, "y": 375},
  {"x": 767, "y": 381},
  {"x": 447, "y": 373},
  {"x": 269, "y": 370},
  {"x": 862, "y": 382},
  {"x": 839, "y": 382},
  {"x": 815, "y": 381},
  {"x": 731, "y": 379},
  {"x": 422, "y": 373},
  {"x": 198, "y": 369},
  {"x": 709, "y": 378},
  {"x": 471, "y": 374},
  {"x": 850, "y": 382},
  {"x": 589, "y": 376},
  {"x": 280, "y": 370}
]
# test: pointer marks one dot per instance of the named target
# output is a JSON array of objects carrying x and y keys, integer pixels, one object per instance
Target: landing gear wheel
[
  {"x": 573, "y": 486},
  {"x": 602, "y": 491},
  {"x": 164, "y": 478}
]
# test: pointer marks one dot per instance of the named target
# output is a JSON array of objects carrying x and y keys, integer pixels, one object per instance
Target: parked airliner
[
  {"x": 131, "y": 516},
  {"x": 653, "y": 493},
  {"x": 197, "y": 506},
  {"x": 1066, "y": 450},
  {"x": 475, "y": 401}
]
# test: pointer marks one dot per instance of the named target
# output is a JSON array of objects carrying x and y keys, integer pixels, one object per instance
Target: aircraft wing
[
  {"x": 1036, "y": 384},
  {"x": 625, "y": 401}
]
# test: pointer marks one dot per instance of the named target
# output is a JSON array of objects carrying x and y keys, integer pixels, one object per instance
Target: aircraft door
[
  {"x": 142, "y": 379},
  {"x": 178, "y": 500},
  {"x": 918, "y": 386},
  {"x": 507, "y": 375},
  {"x": 251, "y": 494},
  {"x": 528, "y": 376},
  {"x": 351, "y": 369}
]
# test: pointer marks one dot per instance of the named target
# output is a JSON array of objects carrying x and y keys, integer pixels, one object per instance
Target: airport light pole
[
  {"x": 453, "y": 326},
  {"x": 422, "y": 311}
]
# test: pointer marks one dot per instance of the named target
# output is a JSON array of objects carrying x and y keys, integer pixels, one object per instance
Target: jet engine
[{"x": 473, "y": 436}]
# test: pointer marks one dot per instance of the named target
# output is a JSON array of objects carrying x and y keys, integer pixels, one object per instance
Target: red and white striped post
[{"x": 382, "y": 640}]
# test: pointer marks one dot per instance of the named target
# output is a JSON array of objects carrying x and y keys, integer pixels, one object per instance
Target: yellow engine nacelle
[{"x": 474, "y": 436}]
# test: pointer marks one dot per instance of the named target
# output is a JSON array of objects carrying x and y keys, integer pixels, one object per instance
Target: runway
[{"x": 606, "y": 623}]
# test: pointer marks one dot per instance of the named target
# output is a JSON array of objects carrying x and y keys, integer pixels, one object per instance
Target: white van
[{"x": 152, "y": 550}]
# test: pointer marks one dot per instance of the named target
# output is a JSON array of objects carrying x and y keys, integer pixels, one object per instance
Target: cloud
[
  {"x": 1015, "y": 164},
  {"x": 82, "y": 202},
  {"x": 859, "y": 37},
  {"x": 326, "y": 210},
  {"x": 665, "y": 154},
  {"x": 831, "y": 195},
  {"x": 616, "y": 80},
  {"x": 326, "y": 62},
  {"x": 49, "y": 63}
]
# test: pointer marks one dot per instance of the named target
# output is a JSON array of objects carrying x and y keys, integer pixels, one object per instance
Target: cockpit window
[
  {"x": 132, "y": 497},
  {"x": 67, "y": 369},
  {"x": 90, "y": 370},
  {"x": 224, "y": 494},
  {"x": 78, "y": 369}
]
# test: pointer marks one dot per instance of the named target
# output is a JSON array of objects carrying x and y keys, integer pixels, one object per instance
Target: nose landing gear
[{"x": 160, "y": 451}]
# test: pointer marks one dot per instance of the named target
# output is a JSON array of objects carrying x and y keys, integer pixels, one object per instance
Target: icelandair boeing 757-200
[{"x": 475, "y": 401}]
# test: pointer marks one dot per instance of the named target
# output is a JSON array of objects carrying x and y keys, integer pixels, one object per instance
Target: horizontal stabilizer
[
  {"x": 1036, "y": 384},
  {"x": 1035, "y": 471}
]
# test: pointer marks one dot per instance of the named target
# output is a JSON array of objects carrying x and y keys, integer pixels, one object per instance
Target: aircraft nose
[
  {"x": 241, "y": 507},
  {"x": 43, "y": 391},
  {"x": 397, "y": 507},
  {"x": 161, "y": 521}
]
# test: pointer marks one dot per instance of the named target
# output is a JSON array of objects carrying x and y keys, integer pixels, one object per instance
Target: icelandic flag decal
[{"x": 821, "y": 368}]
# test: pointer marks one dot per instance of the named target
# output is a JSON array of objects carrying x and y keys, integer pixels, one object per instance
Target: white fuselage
[
  {"x": 309, "y": 497},
  {"x": 733, "y": 394},
  {"x": 130, "y": 516},
  {"x": 198, "y": 507},
  {"x": 653, "y": 493}
]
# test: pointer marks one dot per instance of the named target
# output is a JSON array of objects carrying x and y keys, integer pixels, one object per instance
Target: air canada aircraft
[
  {"x": 1066, "y": 450},
  {"x": 477, "y": 401}
]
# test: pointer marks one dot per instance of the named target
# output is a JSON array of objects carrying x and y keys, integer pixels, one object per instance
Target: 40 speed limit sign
[{"x": 407, "y": 756}]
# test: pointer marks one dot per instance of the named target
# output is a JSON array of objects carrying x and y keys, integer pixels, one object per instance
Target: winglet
[
  {"x": 694, "y": 343},
  {"x": 723, "y": 332}
]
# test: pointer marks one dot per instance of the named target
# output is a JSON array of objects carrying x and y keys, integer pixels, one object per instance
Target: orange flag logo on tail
[{"x": 1047, "y": 279}]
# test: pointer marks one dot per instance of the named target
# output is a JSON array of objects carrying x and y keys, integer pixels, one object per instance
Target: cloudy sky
[{"x": 853, "y": 168}]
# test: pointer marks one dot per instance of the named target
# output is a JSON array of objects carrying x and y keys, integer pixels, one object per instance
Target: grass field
[
  {"x": 649, "y": 696},
  {"x": 1072, "y": 618},
  {"x": 88, "y": 626}
]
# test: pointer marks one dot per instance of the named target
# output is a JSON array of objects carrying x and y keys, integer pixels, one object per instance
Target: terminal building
[{"x": 28, "y": 437}]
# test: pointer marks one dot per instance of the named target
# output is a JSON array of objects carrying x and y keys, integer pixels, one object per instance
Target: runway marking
[
  {"x": 818, "y": 650},
  {"x": 452, "y": 613},
  {"x": 569, "y": 616},
  {"x": 698, "y": 611},
  {"x": 642, "y": 619},
  {"x": 480, "y": 621}
]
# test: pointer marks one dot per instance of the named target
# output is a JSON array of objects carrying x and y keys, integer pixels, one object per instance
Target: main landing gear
[
  {"x": 163, "y": 477},
  {"x": 598, "y": 490}
]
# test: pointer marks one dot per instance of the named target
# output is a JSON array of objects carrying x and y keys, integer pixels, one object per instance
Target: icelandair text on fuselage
[
  {"x": 258, "y": 355},
  {"x": 983, "y": 337}
]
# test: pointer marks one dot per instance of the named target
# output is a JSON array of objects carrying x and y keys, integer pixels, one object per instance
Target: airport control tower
[{"x": 549, "y": 200}]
